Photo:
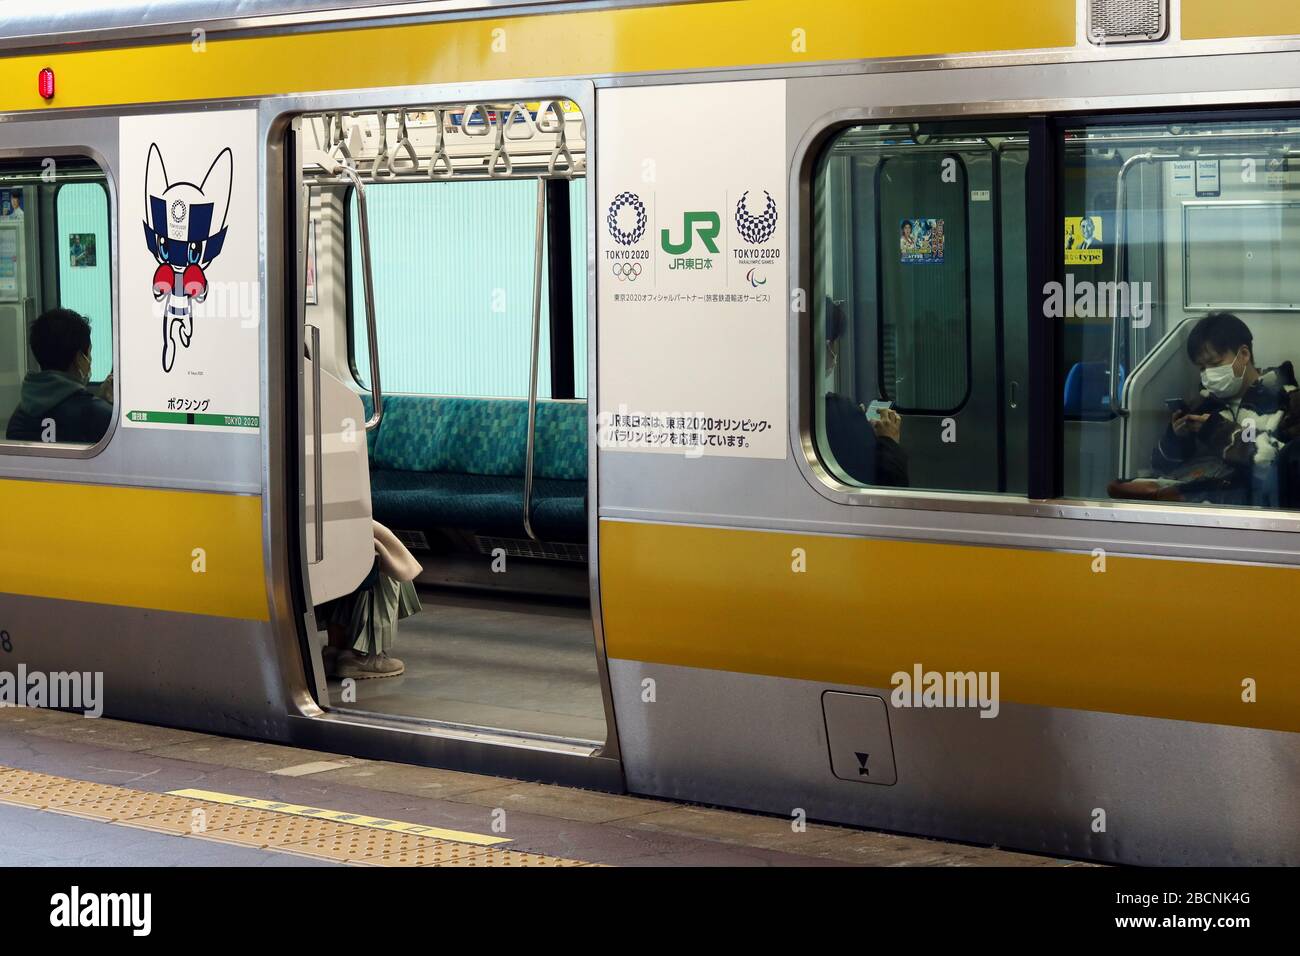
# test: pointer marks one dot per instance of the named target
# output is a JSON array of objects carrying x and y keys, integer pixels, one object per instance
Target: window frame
[
  {"x": 79, "y": 149},
  {"x": 1044, "y": 492},
  {"x": 880, "y": 298},
  {"x": 54, "y": 217}
]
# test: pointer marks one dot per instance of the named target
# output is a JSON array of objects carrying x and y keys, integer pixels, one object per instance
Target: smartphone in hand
[{"x": 875, "y": 408}]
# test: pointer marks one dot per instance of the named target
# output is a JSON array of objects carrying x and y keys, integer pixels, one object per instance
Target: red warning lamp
[{"x": 45, "y": 83}]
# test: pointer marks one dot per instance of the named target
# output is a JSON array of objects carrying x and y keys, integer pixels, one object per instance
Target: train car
[{"x": 778, "y": 398}]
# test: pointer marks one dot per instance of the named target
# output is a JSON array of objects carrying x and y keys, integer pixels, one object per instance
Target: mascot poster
[{"x": 190, "y": 292}]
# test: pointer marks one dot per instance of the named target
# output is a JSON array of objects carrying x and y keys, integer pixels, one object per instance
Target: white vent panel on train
[{"x": 1127, "y": 21}]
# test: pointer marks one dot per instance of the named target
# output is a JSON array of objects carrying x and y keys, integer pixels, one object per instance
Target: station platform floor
[{"x": 101, "y": 792}]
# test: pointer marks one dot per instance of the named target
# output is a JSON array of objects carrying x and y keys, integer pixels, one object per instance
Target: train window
[
  {"x": 453, "y": 272},
  {"x": 920, "y": 357},
  {"x": 1179, "y": 309},
  {"x": 56, "y": 320}
]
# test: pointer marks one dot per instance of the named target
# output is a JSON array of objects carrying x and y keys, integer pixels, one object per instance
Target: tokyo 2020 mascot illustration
[{"x": 185, "y": 226}]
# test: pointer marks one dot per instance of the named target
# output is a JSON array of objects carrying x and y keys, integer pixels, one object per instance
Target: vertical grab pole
[
  {"x": 367, "y": 274},
  {"x": 532, "y": 363},
  {"x": 317, "y": 445}
]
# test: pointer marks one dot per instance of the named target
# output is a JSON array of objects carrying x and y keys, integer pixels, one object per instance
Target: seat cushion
[
  {"x": 485, "y": 504},
  {"x": 561, "y": 441},
  {"x": 476, "y": 436},
  {"x": 407, "y": 435}
]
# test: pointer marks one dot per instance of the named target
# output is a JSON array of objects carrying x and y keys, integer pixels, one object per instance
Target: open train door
[
  {"x": 339, "y": 535},
  {"x": 446, "y": 244}
]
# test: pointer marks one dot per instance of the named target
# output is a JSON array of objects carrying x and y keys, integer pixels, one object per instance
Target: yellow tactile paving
[
  {"x": 67, "y": 794},
  {"x": 266, "y": 824},
  {"x": 272, "y": 830},
  {"x": 517, "y": 859},
  {"x": 350, "y": 844},
  {"x": 427, "y": 853},
  {"x": 202, "y": 820},
  {"x": 15, "y": 781},
  {"x": 119, "y": 808}
]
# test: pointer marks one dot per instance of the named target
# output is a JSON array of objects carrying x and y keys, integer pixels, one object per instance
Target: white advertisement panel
[
  {"x": 189, "y": 271},
  {"x": 691, "y": 270}
]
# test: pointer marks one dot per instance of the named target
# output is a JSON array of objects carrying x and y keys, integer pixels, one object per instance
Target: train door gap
[{"x": 444, "y": 313}]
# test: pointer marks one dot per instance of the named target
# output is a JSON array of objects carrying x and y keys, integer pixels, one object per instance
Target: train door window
[
  {"x": 913, "y": 228},
  {"x": 461, "y": 323},
  {"x": 474, "y": 221},
  {"x": 56, "y": 319},
  {"x": 1179, "y": 308}
]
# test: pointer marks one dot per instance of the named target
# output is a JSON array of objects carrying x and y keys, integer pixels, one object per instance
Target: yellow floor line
[
  {"x": 266, "y": 824},
  {"x": 341, "y": 816}
]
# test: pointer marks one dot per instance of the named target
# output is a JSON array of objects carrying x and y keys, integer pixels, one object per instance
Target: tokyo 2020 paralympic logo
[
  {"x": 626, "y": 237},
  {"x": 756, "y": 229}
]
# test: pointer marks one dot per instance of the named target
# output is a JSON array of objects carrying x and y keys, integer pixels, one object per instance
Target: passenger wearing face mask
[
  {"x": 1222, "y": 448},
  {"x": 55, "y": 404}
]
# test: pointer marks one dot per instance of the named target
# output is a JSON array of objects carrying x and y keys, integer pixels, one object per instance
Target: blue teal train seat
[{"x": 458, "y": 463}]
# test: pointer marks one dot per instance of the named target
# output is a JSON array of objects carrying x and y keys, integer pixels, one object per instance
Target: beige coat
[{"x": 394, "y": 559}]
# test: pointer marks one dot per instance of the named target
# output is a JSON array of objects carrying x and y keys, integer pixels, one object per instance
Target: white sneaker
[{"x": 363, "y": 666}]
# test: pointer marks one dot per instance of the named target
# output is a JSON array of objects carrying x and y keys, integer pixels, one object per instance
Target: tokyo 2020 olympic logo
[{"x": 626, "y": 237}]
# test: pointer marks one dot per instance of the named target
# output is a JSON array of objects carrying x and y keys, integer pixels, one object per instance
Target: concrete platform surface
[{"x": 312, "y": 808}]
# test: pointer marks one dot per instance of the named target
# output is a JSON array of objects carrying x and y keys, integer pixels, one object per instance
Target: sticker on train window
[
  {"x": 920, "y": 240},
  {"x": 190, "y": 271},
  {"x": 1083, "y": 238}
]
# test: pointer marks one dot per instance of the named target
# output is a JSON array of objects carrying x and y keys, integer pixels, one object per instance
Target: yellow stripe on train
[
  {"x": 1151, "y": 637},
  {"x": 187, "y": 551},
  {"x": 585, "y": 43}
]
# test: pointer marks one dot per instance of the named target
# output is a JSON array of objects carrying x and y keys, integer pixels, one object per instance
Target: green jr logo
[{"x": 707, "y": 224}]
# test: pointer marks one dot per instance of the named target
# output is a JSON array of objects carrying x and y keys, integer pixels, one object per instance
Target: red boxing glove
[
  {"x": 162, "y": 281},
  {"x": 194, "y": 282}
]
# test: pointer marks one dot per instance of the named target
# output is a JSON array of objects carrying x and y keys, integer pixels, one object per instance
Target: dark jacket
[
  {"x": 1272, "y": 403},
  {"x": 77, "y": 414},
  {"x": 865, "y": 458}
]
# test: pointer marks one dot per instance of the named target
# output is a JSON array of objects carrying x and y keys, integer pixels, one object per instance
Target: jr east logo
[
  {"x": 756, "y": 225},
  {"x": 701, "y": 225},
  {"x": 626, "y": 221}
]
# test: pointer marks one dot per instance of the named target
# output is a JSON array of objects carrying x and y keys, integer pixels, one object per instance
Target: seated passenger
[
  {"x": 362, "y": 626},
  {"x": 1222, "y": 448},
  {"x": 868, "y": 452},
  {"x": 55, "y": 404}
]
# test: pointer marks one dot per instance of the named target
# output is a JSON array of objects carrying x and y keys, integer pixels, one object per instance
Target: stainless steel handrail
[
  {"x": 367, "y": 275},
  {"x": 532, "y": 362},
  {"x": 1121, "y": 203},
  {"x": 1117, "y": 325},
  {"x": 317, "y": 440}
]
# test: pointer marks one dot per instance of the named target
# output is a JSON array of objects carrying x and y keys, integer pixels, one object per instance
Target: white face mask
[{"x": 1222, "y": 381}]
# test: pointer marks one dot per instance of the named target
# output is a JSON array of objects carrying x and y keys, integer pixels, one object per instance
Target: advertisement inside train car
[
  {"x": 189, "y": 287},
  {"x": 691, "y": 270}
]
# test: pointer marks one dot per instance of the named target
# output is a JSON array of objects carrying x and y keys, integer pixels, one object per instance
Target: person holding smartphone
[
  {"x": 1222, "y": 446},
  {"x": 868, "y": 449}
]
